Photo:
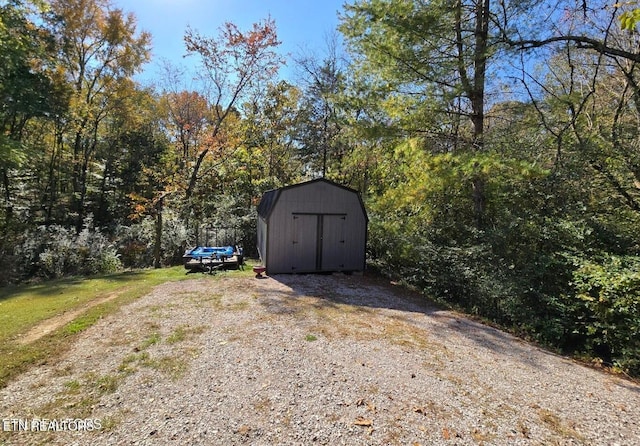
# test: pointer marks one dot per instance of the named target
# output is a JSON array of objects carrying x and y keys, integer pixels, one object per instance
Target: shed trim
[{"x": 337, "y": 214}]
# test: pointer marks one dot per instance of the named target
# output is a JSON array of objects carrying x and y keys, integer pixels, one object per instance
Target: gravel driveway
[{"x": 309, "y": 359}]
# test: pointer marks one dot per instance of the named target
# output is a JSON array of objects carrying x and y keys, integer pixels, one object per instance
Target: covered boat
[{"x": 211, "y": 258}]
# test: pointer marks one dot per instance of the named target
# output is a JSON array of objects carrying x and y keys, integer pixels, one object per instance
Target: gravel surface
[{"x": 309, "y": 359}]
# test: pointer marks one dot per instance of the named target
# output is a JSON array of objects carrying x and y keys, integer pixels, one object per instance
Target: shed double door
[{"x": 318, "y": 242}]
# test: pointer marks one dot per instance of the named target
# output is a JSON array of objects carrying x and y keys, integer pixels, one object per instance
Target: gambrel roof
[{"x": 270, "y": 197}]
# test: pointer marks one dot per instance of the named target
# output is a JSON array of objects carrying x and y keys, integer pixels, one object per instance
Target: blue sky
[{"x": 303, "y": 25}]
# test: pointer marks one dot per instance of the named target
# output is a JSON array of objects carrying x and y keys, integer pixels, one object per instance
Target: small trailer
[{"x": 212, "y": 258}]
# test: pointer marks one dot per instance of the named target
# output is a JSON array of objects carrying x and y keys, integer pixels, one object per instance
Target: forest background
[{"x": 496, "y": 145}]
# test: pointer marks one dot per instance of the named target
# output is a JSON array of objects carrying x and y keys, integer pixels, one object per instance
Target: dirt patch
[{"x": 50, "y": 325}]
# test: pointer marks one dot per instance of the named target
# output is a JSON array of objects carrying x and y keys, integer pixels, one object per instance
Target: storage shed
[{"x": 316, "y": 226}]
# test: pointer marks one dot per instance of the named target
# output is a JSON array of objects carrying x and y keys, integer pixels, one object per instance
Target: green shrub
[
  {"x": 55, "y": 251},
  {"x": 519, "y": 268},
  {"x": 136, "y": 241},
  {"x": 608, "y": 292}
]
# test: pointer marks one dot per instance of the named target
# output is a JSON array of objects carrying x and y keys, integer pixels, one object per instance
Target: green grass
[
  {"x": 21, "y": 307},
  {"x": 152, "y": 339},
  {"x": 73, "y": 385},
  {"x": 25, "y": 306}
]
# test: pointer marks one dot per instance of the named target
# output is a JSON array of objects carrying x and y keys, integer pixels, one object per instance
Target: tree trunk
[
  {"x": 7, "y": 196},
  {"x": 479, "y": 198},
  {"x": 479, "y": 74},
  {"x": 476, "y": 96},
  {"x": 194, "y": 175},
  {"x": 157, "y": 245}
]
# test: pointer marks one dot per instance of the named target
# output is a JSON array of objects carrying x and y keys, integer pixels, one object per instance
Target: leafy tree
[
  {"x": 100, "y": 49},
  {"x": 29, "y": 85},
  {"x": 608, "y": 290},
  {"x": 133, "y": 144},
  {"x": 235, "y": 64},
  {"x": 270, "y": 136},
  {"x": 506, "y": 218},
  {"x": 322, "y": 117},
  {"x": 427, "y": 60},
  {"x": 187, "y": 124},
  {"x": 30, "y": 90}
]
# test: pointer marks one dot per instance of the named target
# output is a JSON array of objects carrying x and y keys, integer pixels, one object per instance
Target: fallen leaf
[
  {"x": 420, "y": 410},
  {"x": 361, "y": 421},
  {"x": 445, "y": 433},
  {"x": 370, "y": 406},
  {"x": 243, "y": 430}
]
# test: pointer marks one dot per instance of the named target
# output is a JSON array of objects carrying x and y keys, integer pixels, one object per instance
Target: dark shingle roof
[
  {"x": 267, "y": 202},
  {"x": 270, "y": 197}
]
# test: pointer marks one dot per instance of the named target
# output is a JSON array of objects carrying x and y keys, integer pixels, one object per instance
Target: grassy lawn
[{"x": 25, "y": 306}]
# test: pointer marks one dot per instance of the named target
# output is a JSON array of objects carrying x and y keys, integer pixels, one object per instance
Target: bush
[
  {"x": 136, "y": 242},
  {"x": 10, "y": 261},
  {"x": 55, "y": 251},
  {"x": 607, "y": 294}
]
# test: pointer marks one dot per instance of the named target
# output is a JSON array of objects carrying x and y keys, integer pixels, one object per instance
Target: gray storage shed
[{"x": 315, "y": 226}]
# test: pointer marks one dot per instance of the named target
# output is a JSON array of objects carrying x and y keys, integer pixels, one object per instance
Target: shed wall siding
[{"x": 294, "y": 223}]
